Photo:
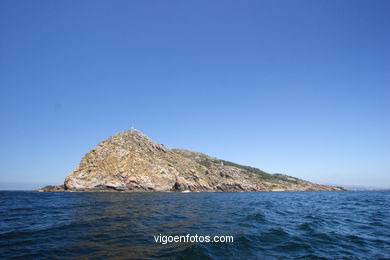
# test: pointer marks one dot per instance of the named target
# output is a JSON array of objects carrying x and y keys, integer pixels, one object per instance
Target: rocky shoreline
[{"x": 131, "y": 162}]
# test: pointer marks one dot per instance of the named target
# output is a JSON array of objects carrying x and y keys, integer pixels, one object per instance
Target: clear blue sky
[{"x": 298, "y": 87}]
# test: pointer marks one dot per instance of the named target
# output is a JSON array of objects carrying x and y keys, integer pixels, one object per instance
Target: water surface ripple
[{"x": 265, "y": 225}]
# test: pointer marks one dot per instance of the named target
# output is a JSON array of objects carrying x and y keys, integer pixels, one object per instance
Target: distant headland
[{"x": 131, "y": 161}]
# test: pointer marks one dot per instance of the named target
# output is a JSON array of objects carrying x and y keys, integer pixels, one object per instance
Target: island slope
[{"x": 130, "y": 161}]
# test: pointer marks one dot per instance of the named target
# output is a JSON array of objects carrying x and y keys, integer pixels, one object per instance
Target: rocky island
[{"x": 131, "y": 161}]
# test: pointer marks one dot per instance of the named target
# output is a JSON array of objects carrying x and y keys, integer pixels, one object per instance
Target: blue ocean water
[{"x": 265, "y": 225}]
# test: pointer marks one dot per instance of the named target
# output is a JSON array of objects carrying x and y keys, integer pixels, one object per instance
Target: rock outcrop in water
[{"x": 130, "y": 161}]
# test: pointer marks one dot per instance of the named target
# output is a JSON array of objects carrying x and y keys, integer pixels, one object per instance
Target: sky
[{"x": 296, "y": 87}]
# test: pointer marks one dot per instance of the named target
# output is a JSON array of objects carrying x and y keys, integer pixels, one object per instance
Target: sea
[{"x": 263, "y": 225}]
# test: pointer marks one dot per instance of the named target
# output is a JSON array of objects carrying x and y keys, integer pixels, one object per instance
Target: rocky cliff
[{"x": 130, "y": 161}]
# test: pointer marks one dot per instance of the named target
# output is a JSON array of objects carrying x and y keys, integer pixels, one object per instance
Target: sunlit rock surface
[{"x": 130, "y": 161}]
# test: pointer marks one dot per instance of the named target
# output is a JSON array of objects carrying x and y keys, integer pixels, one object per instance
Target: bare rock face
[{"x": 130, "y": 161}]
